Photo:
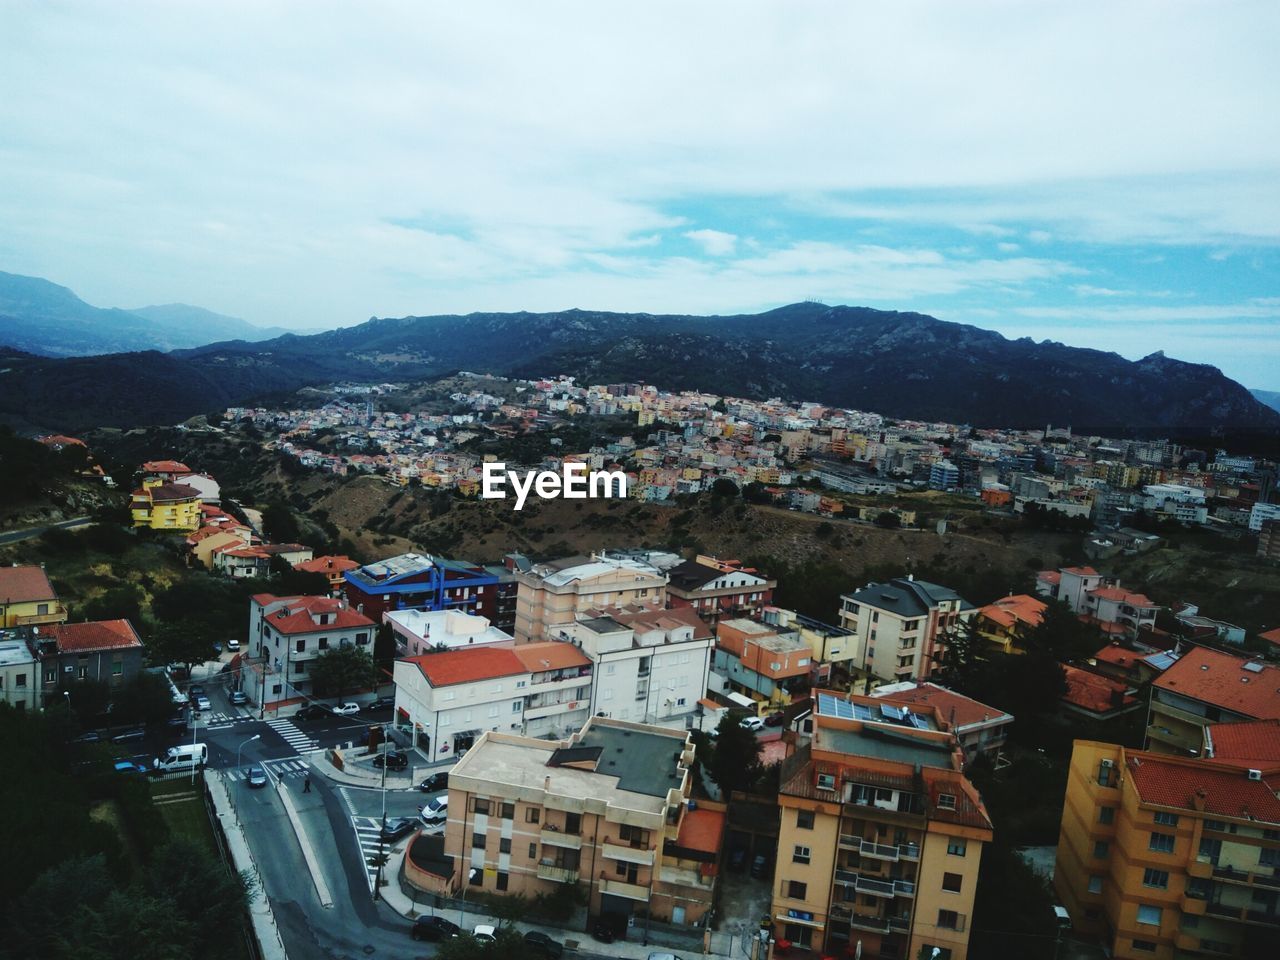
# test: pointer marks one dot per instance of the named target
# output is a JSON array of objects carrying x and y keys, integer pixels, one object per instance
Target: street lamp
[
  {"x": 382, "y": 834},
  {"x": 195, "y": 726},
  {"x": 256, "y": 736},
  {"x": 462, "y": 909}
]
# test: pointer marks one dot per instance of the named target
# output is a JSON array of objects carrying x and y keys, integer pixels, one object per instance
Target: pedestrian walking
[{"x": 306, "y": 783}]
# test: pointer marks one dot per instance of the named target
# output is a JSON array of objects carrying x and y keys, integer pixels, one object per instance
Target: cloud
[{"x": 714, "y": 243}]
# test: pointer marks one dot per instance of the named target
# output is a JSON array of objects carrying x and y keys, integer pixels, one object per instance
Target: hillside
[
  {"x": 902, "y": 364},
  {"x": 40, "y": 317}
]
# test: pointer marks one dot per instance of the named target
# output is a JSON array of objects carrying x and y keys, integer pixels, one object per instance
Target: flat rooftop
[{"x": 14, "y": 653}]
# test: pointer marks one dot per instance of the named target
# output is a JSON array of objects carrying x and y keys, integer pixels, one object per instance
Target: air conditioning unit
[
  {"x": 1107, "y": 764},
  {"x": 68, "y": 669},
  {"x": 1255, "y": 774}
]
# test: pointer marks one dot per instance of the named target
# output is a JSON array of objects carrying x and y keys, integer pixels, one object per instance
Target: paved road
[{"x": 16, "y": 536}]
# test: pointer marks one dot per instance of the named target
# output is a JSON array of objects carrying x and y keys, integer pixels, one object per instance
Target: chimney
[{"x": 546, "y": 784}]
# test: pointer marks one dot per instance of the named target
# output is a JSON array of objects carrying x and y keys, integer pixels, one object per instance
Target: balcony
[
  {"x": 880, "y": 851},
  {"x": 1200, "y": 869},
  {"x": 547, "y": 871},
  {"x": 684, "y": 877},
  {"x": 876, "y": 888},
  {"x": 1235, "y": 875},
  {"x": 554, "y": 838},
  {"x": 552, "y": 709},
  {"x": 57, "y": 614},
  {"x": 1223, "y": 910},
  {"x": 1268, "y": 917},
  {"x": 616, "y": 851},
  {"x": 619, "y": 888}
]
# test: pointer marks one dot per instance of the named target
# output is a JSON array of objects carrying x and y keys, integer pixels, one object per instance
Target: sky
[{"x": 1100, "y": 174}]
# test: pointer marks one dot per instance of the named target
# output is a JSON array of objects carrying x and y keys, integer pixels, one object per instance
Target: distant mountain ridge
[
  {"x": 41, "y": 317},
  {"x": 906, "y": 365},
  {"x": 1269, "y": 397}
]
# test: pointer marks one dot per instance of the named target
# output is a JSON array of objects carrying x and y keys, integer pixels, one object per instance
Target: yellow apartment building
[
  {"x": 166, "y": 506},
  {"x": 27, "y": 598},
  {"x": 555, "y": 593},
  {"x": 1166, "y": 858},
  {"x": 608, "y": 810},
  {"x": 881, "y": 835}
]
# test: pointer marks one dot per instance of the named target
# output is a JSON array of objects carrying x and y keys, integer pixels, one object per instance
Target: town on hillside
[{"x": 645, "y": 747}]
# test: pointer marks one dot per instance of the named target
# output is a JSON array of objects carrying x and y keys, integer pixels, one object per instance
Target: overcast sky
[{"x": 1103, "y": 174}]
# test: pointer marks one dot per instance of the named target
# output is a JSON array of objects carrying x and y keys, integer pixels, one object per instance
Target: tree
[
  {"x": 123, "y": 602},
  {"x": 888, "y": 520},
  {"x": 962, "y": 655},
  {"x": 186, "y": 642},
  {"x": 1062, "y": 634},
  {"x": 735, "y": 759},
  {"x": 144, "y": 699},
  {"x": 724, "y": 488},
  {"x": 89, "y": 699},
  {"x": 279, "y": 524},
  {"x": 342, "y": 670}
]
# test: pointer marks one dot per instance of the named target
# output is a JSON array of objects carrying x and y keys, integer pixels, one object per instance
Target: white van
[{"x": 188, "y": 756}]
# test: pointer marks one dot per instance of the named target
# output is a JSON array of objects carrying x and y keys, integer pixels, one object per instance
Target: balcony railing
[
  {"x": 56, "y": 615},
  {"x": 877, "y": 888},
  {"x": 555, "y": 838},
  {"x": 883, "y": 851},
  {"x": 618, "y": 851},
  {"x": 619, "y": 888},
  {"x": 1235, "y": 875},
  {"x": 548, "y": 871}
]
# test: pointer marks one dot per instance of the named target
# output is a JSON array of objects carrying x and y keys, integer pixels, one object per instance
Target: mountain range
[
  {"x": 41, "y": 317},
  {"x": 907, "y": 365}
]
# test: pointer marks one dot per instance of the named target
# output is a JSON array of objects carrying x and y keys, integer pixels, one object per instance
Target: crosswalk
[
  {"x": 368, "y": 830},
  {"x": 289, "y": 767},
  {"x": 291, "y": 735}
]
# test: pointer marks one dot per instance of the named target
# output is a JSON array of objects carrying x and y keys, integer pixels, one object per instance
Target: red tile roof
[
  {"x": 93, "y": 635},
  {"x": 954, "y": 708},
  {"x": 1192, "y": 784},
  {"x": 1081, "y": 571},
  {"x": 1122, "y": 595},
  {"x": 1096, "y": 694},
  {"x": 701, "y": 830},
  {"x": 1222, "y": 680},
  {"x": 327, "y": 564},
  {"x": 165, "y": 466},
  {"x": 1254, "y": 744},
  {"x": 1016, "y": 608},
  {"x": 1271, "y": 636},
  {"x": 25, "y": 584},
  {"x": 1049, "y": 576},
  {"x": 295, "y": 616},
  {"x": 551, "y": 655},
  {"x": 168, "y": 493},
  {"x": 467, "y": 666},
  {"x": 1118, "y": 655}
]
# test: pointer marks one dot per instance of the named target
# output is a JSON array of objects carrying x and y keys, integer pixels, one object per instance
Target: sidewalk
[{"x": 352, "y": 775}]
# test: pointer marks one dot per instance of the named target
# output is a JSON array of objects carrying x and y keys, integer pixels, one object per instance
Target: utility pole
[{"x": 382, "y": 834}]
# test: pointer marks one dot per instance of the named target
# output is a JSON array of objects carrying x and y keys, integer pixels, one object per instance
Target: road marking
[
  {"x": 291, "y": 735},
  {"x": 368, "y": 833}
]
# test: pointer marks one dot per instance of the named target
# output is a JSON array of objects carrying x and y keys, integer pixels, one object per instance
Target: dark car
[
  {"x": 434, "y": 928},
  {"x": 382, "y": 703},
  {"x": 91, "y": 736},
  {"x": 760, "y": 866},
  {"x": 737, "y": 859},
  {"x": 310, "y": 712},
  {"x": 775, "y": 719},
  {"x": 195, "y": 690},
  {"x": 400, "y": 827},
  {"x": 543, "y": 945},
  {"x": 256, "y": 777},
  {"x": 131, "y": 735},
  {"x": 435, "y": 783},
  {"x": 606, "y": 929},
  {"x": 395, "y": 760}
]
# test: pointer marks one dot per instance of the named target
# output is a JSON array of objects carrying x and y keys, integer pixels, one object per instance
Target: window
[
  {"x": 362, "y": 638},
  {"x": 1149, "y": 914},
  {"x": 946, "y": 801},
  {"x": 1161, "y": 842},
  {"x": 502, "y": 881},
  {"x": 51, "y": 675},
  {"x": 1215, "y": 825},
  {"x": 796, "y": 890},
  {"x": 508, "y": 811},
  {"x": 1105, "y": 770},
  {"x": 479, "y": 805},
  {"x": 477, "y": 841},
  {"x": 1210, "y": 849},
  {"x": 477, "y": 878},
  {"x": 1100, "y": 849},
  {"x": 493, "y": 711},
  {"x": 1156, "y": 878},
  {"x": 804, "y": 819},
  {"x": 504, "y": 845},
  {"x": 1269, "y": 857},
  {"x": 1095, "y": 884},
  {"x": 1106, "y": 814},
  {"x": 515, "y": 706},
  {"x": 826, "y": 781},
  {"x": 533, "y": 851},
  {"x": 948, "y": 919},
  {"x": 572, "y": 824},
  {"x": 324, "y": 643},
  {"x": 117, "y": 669},
  {"x": 956, "y": 846},
  {"x": 300, "y": 646},
  {"x": 532, "y": 815},
  {"x": 800, "y": 854},
  {"x": 20, "y": 680},
  {"x": 1167, "y": 819},
  {"x": 951, "y": 882},
  {"x": 1146, "y": 945}
]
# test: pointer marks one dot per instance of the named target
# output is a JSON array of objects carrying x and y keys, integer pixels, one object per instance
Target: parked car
[
  {"x": 485, "y": 933},
  {"x": 92, "y": 736},
  {"x": 604, "y": 930},
  {"x": 395, "y": 760},
  {"x": 256, "y": 777},
  {"x": 233, "y": 645},
  {"x": 437, "y": 781},
  {"x": 751, "y": 723},
  {"x": 132, "y": 735},
  {"x": 543, "y": 945},
  {"x": 775, "y": 719},
  {"x": 434, "y": 929},
  {"x": 760, "y": 866},
  {"x": 437, "y": 808},
  {"x": 195, "y": 690},
  {"x": 128, "y": 766},
  {"x": 344, "y": 709},
  {"x": 382, "y": 703},
  {"x": 310, "y": 711},
  {"x": 398, "y": 827},
  {"x": 239, "y": 698},
  {"x": 202, "y": 703}
]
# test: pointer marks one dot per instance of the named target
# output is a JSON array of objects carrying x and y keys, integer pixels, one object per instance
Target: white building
[
  {"x": 447, "y": 700},
  {"x": 287, "y": 634},
  {"x": 1185, "y": 504},
  {"x": 650, "y": 666},
  {"x": 422, "y": 631},
  {"x": 1262, "y": 512},
  {"x": 18, "y": 686}
]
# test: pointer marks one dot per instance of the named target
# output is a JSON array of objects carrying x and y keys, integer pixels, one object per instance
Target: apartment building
[
  {"x": 165, "y": 506},
  {"x": 831, "y": 648},
  {"x": 1167, "y": 857},
  {"x": 1099, "y": 600},
  {"x": 981, "y": 729},
  {"x": 902, "y": 626},
  {"x": 650, "y": 665},
  {"x": 761, "y": 661},
  {"x": 881, "y": 835},
  {"x": 1205, "y": 686},
  {"x": 287, "y": 634},
  {"x": 1007, "y": 622},
  {"x": 422, "y": 631},
  {"x": 559, "y": 592},
  {"x": 28, "y": 598},
  {"x": 413, "y": 581},
  {"x": 105, "y": 651},
  {"x": 19, "y": 671},
  {"x": 716, "y": 588},
  {"x": 331, "y": 567},
  {"x": 607, "y": 809}
]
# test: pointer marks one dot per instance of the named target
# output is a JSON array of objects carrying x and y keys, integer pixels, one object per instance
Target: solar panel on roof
[
  {"x": 861, "y": 711},
  {"x": 919, "y": 722},
  {"x": 892, "y": 712}
]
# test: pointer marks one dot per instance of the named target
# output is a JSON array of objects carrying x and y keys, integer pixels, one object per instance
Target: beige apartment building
[
  {"x": 558, "y": 592},
  {"x": 881, "y": 835},
  {"x": 608, "y": 810}
]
